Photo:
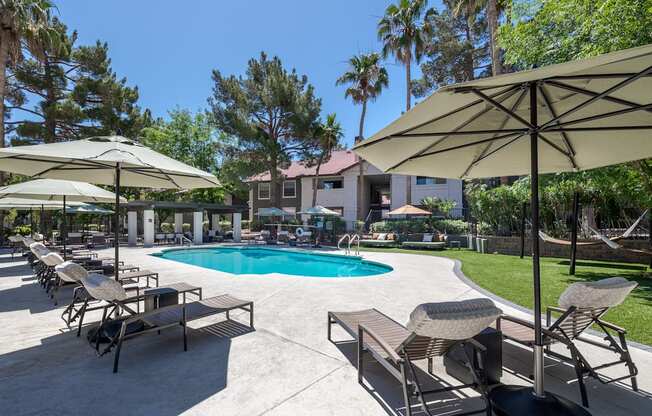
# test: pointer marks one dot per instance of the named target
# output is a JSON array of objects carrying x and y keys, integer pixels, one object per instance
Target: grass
[{"x": 510, "y": 277}]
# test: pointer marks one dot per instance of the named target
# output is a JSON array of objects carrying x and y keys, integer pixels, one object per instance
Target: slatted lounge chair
[
  {"x": 581, "y": 306},
  {"x": 134, "y": 324},
  {"x": 433, "y": 329}
]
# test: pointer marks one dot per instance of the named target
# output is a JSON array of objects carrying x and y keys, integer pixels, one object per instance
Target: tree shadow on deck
[{"x": 63, "y": 375}]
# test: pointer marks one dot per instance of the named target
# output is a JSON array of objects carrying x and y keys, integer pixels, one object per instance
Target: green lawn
[{"x": 511, "y": 278}]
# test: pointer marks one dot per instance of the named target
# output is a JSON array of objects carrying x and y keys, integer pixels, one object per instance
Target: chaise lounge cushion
[
  {"x": 458, "y": 320},
  {"x": 71, "y": 272},
  {"x": 103, "y": 288},
  {"x": 601, "y": 294}
]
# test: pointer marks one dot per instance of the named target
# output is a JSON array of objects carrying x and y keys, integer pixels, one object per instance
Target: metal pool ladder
[{"x": 350, "y": 239}]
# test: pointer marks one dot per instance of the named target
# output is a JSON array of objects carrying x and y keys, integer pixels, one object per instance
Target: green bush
[
  {"x": 23, "y": 230},
  {"x": 167, "y": 228},
  {"x": 421, "y": 225},
  {"x": 186, "y": 227}
]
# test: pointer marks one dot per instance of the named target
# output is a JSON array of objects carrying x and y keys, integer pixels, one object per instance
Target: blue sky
[{"x": 169, "y": 48}]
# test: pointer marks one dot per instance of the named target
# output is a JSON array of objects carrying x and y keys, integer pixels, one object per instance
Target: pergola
[{"x": 197, "y": 208}]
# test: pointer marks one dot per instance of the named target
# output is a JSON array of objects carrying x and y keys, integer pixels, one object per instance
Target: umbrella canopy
[
  {"x": 567, "y": 117},
  {"x": 409, "y": 210},
  {"x": 273, "y": 212},
  {"x": 57, "y": 190},
  {"x": 28, "y": 203},
  {"x": 481, "y": 128},
  {"x": 95, "y": 159},
  {"x": 318, "y": 210}
]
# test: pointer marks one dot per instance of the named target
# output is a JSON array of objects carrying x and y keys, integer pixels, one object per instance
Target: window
[
  {"x": 425, "y": 180},
  {"x": 331, "y": 183},
  {"x": 263, "y": 190},
  {"x": 289, "y": 189}
]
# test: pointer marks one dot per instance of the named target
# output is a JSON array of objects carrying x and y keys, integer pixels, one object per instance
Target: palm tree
[
  {"x": 367, "y": 78},
  {"x": 23, "y": 23},
  {"x": 328, "y": 135},
  {"x": 492, "y": 10},
  {"x": 404, "y": 34}
]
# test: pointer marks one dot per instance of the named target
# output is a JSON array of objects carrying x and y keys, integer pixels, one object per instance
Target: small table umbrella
[
  {"x": 59, "y": 190},
  {"x": 319, "y": 211},
  {"x": 409, "y": 210},
  {"x": 24, "y": 204},
  {"x": 273, "y": 212},
  {"x": 568, "y": 117},
  {"x": 105, "y": 160}
]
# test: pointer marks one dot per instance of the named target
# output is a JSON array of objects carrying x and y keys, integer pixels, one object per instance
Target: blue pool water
[{"x": 246, "y": 260}]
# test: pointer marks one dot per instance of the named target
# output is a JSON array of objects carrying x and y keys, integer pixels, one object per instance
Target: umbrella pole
[
  {"x": 40, "y": 223},
  {"x": 576, "y": 209},
  {"x": 64, "y": 231},
  {"x": 116, "y": 222}
]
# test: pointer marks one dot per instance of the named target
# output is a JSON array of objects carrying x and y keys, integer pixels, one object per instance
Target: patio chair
[
  {"x": 433, "y": 330},
  {"x": 99, "y": 240},
  {"x": 169, "y": 238},
  {"x": 116, "y": 331},
  {"x": 581, "y": 306},
  {"x": 159, "y": 238}
]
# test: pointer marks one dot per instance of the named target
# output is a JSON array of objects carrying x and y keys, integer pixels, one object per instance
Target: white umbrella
[
  {"x": 59, "y": 190},
  {"x": 25, "y": 204},
  {"x": 573, "y": 116},
  {"x": 109, "y": 160},
  {"x": 273, "y": 212},
  {"x": 318, "y": 210}
]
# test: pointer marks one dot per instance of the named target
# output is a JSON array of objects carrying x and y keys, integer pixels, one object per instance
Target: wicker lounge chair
[
  {"x": 582, "y": 305},
  {"x": 433, "y": 329},
  {"x": 379, "y": 240},
  {"x": 426, "y": 243},
  {"x": 134, "y": 324}
]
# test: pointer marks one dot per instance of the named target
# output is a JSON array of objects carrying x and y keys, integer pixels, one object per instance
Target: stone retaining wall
[{"x": 512, "y": 245}]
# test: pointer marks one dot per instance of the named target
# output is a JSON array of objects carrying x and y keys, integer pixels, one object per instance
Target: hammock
[
  {"x": 603, "y": 239},
  {"x": 614, "y": 245}
]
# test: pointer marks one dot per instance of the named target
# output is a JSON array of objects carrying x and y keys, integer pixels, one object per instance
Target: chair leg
[
  {"x": 82, "y": 312},
  {"x": 406, "y": 390},
  {"x": 360, "y": 357},
  {"x": 413, "y": 373},
  {"x": 328, "y": 330},
  {"x": 580, "y": 375},
  {"x": 116, "y": 358}
]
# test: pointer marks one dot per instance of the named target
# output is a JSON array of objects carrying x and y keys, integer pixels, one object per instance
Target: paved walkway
[{"x": 285, "y": 367}]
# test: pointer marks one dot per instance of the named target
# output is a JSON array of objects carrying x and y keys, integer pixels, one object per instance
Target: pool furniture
[
  {"x": 432, "y": 331},
  {"x": 428, "y": 242},
  {"x": 581, "y": 306},
  {"x": 132, "y": 324},
  {"x": 159, "y": 238},
  {"x": 379, "y": 240},
  {"x": 134, "y": 276},
  {"x": 455, "y": 244}
]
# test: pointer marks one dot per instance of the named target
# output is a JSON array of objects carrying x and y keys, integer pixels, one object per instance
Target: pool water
[{"x": 250, "y": 260}]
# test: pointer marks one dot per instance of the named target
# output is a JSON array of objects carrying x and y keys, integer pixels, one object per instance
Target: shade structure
[
  {"x": 273, "y": 212},
  {"x": 318, "y": 210},
  {"x": 567, "y": 117},
  {"x": 57, "y": 190},
  {"x": 409, "y": 210},
  {"x": 107, "y": 160}
]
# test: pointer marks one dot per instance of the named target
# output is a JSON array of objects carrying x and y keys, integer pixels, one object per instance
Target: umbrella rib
[
  {"x": 432, "y": 120},
  {"x": 502, "y": 125},
  {"x": 502, "y": 108},
  {"x": 569, "y": 147},
  {"x": 508, "y": 95},
  {"x": 590, "y": 93},
  {"x": 604, "y": 93},
  {"x": 645, "y": 107}
]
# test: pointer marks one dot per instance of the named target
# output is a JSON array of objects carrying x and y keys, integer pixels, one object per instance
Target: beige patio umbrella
[
  {"x": 319, "y": 211},
  {"x": 28, "y": 204},
  {"x": 409, "y": 210},
  {"x": 59, "y": 190},
  {"x": 106, "y": 160},
  {"x": 567, "y": 117}
]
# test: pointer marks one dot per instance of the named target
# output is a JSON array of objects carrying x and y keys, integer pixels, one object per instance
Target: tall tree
[
  {"x": 269, "y": 112},
  {"x": 24, "y": 24},
  {"x": 366, "y": 77},
  {"x": 328, "y": 135},
  {"x": 403, "y": 32},
  {"x": 456, "y": 51},
  {"x": 492, "y": 10}
]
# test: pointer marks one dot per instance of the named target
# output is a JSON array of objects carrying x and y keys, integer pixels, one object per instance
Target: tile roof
[{"x": 340, "y": 160}]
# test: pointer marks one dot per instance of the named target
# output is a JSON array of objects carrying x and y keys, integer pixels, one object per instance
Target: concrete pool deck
[{"x": 285, "y": 367}]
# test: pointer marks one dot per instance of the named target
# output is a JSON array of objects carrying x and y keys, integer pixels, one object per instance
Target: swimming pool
[{"x": 258, "y": 260}]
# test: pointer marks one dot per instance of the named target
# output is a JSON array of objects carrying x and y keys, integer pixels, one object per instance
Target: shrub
[
  {"x": 166, "y": 227},
  {"x": 23, "y": 230},
  {"x": 186, "y": 227},
  {"x": 421, "y": 225}
]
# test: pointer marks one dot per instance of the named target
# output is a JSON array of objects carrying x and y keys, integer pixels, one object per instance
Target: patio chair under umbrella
[
  {"x": 107, "y": 160},
  {"x": 409, "y": 210},
  {"x": 568, "y": 117},
  {"x": 59, "y": 190}
]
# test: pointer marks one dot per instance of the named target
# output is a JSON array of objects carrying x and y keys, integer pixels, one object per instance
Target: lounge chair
[
  {"x": 99, "y": 240},
  {"x": 433, "y": 330},
  {"x": 379, "y": 240},
  {"x": 169, "y": 238},
  {"x": 426, "y": 243},
  {"x": 581, "y": 306},
  {"x": 159, "y": 238},
  {"x": 133, "y": 324}
]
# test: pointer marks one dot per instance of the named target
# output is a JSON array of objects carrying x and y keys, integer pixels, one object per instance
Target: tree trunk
[
  {"x": 469, "y": 61},
  {"x": 492, "y": 22},
  {"x": 273, "y": 183},
  {"x": 50, "y": 102},
  {"x": 361, "y": 213},
  {"x": 315, "y": 180},
  {"x": 4, "y": 57}
]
